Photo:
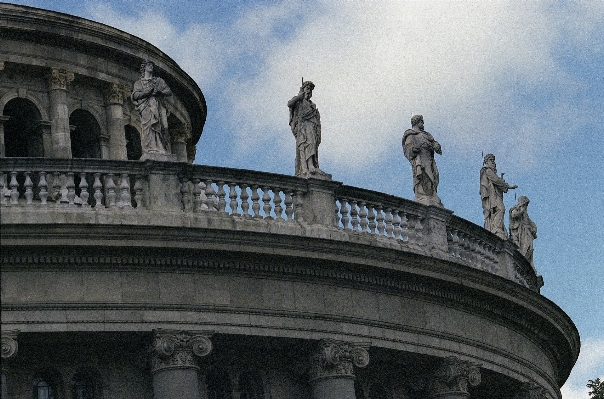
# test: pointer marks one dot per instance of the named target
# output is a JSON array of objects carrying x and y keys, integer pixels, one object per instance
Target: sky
[{"x": 523, "y": 80}]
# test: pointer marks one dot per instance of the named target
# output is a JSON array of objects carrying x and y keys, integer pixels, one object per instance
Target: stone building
[{"x": 127, "y": 279}]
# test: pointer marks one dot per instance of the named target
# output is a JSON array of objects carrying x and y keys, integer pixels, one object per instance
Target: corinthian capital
[
  {"x": 114, "y": 93},
  {"x": 337, "y": 359},
  {"x": 452, "y": 377},
  {"x": 9, "y": 344},
  {"x": 178, "y": 349},
  {"x": 530, "y": 390},
  {"x": 59, "y": 78}
]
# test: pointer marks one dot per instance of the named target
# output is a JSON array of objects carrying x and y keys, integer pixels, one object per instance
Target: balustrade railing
[{"x": 467, "y": 243}]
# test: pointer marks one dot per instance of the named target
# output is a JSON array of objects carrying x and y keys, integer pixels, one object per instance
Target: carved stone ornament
[
  {"x": 59, "y": 78},
  {"x": 178, "y": 349},
  {"x": 337, "y": 359},
  {"x": 114, "y": 93},
  {"x": 452, "y": 377},
  {"x": 9, "y": 344},
  {"x": 530, "y": 390}
]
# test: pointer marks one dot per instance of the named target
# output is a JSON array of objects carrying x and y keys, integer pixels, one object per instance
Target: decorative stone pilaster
[
  {"x": 180, "y": 136},
  {"x": 332, "y": 370},
  {"x": 319, "y": 202},
  {"x": 114, "y": 109},
  {"x": 436, "y": 230},
  {"x": 174, "y": 363},
  {"x": 3, "y": 120},
  {"x": 451, "y": 379},
  {"x": 530, "y": 390},
  {"x": 10, "y": 345},
  {"x": 59, "y": 113}
]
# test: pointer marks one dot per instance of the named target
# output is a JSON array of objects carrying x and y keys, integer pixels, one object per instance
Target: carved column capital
[
  {"x": 9, "y": 344},
  {"x": 182, "y": 133},
  {"x": 451, "y": 378},
  {"x": 178, "y": 349},
  {"x": 113, "y": 93},
  {"x": 336, "y": 359},
  {"x": 59, "y": 78},
  {"x": 530, "y": 390}
]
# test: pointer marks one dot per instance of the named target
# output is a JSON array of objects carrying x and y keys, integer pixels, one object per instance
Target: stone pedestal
[
  {"x": 332, "y": 371},
  {"x": 59, "y": 113},
  {"x": 174, "y": 363},
  {"x": 320, "y": 203},
  {"x": 452, "y": 377}
]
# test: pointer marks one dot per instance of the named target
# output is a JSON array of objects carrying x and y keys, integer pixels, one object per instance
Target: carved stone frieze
[
  {"x": 337, "y": 359},
  {"x": 114, "y": 93},
  {"x": 59, "y": 78},
  {"x": 9, "y": 344},
  {"x": 178, "y": 349},
  {"x": 530, "y": 390},
  {"x": 452, "y": 377}
]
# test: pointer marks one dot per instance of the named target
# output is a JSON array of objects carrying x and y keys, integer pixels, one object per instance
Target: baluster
[
  {"x": 480, "y": 255},
  {"x": 371, "y": 218},
  {"x": 245, "y": 205},
  {"x": 110, "y": 188},
  {"x": 233, "y": 197},
  {"x": 98, "y": 193},
  {"x": 202, "y": 196},
  {"x": 255, "y": 201},
  {"x": 14, "y": 193},
  {"x": 344, "y": 211},
  {"x": 299, "y": 206},
  {"x": 184, "y": 194},
  {"x": 363, "y": 215},
  {"x": 56, "y": 187},
  {"x": 396, "y": 224},
  {"x": 289, "y": 201},
  {"x": 210, "y": 196},
  {"x": 388, "y": 220},
  {"x": 411, "y": 223},
  {"x": 419, "y": 228},
  {"x": 84, "y": 195},
  {"x": 2, "y": 186},
  {"x": 70, "y": 186},
  {"x": 380, "y": 220},
  {"x": 196, "y": 192},
  {"x": 266, "y": 200},
  {"x": 42, "y": 186},
  {"x": 404, "y": 226},
  {"x": 138, "y": 192},
  {"x": 125, "y": 197},
  {"x": 456, "y": 244},
  {"x": 29, "y": 193},
  {"x": 354, "y": 215},
  {"x": 221, "y": 197},
  {"x": 277, "y": 201}
]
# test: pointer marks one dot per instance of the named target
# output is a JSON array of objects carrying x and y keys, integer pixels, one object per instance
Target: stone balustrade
[{"x": 41, "y": 190}]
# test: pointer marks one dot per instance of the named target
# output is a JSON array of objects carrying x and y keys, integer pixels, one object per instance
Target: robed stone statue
[
  {"x": 522, "y": 229},
  {"x": 305, "y": 122},
  {"x": 148, "y": 96},
  {"x": 492, "y": 188},
  {"x": 419, "y": 147}
]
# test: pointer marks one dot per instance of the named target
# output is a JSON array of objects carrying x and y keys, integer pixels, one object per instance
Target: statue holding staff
[{"x": 492, "y": 188}]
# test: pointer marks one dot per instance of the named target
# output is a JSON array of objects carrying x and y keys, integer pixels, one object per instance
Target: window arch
[
  {"x": 134, "y": 150},
  {"x": 85, "y": 135},
  {"x": 250, "y": 386},
  {"x": 219, "y": 385},
  {"x": 85, "y": 386},
  {"x": 46, "y": 385},
  {"x": 22, "y": 131}
]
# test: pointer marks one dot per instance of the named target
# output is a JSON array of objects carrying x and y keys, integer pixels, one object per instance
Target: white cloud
[{"x": 589, "y": 366}]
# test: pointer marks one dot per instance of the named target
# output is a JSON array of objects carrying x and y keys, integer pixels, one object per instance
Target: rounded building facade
[{"x": 129, "y": 278}]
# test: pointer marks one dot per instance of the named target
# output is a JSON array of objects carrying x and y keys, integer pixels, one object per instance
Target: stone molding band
[
  {"x": 336, "y": 359},
  {"x": 173, "y": 349}
]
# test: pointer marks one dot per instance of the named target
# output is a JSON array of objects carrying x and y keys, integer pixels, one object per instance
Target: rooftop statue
[
  {"x": 419, "y": 147},
  {"x": 522, "y": 229},
  {"x": 492, "y": 188},
  {"x": 305, "y": 122},
  {"x": 148, "y": 96}
]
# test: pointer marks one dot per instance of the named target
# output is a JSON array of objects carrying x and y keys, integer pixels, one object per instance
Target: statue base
[
  {"x": 157, "y": 156},
  {"x": 316, "y": 174},
  {"x": 430, "y": 200}
]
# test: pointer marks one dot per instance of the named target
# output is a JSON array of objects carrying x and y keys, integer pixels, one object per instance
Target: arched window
[
  {"x": 219, "y": 385},
  {"x": 22, "y": 131},
  {"x": 85, "y": 135},
  {"x": 84, "y": 386},
  {"x": 134, "y": 150},
  {"x": 250, "y": 386}
]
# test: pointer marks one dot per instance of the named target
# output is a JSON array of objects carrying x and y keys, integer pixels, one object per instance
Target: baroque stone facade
[{"x": 126, "y": 278}]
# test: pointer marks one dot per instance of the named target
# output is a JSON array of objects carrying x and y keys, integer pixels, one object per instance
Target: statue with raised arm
[
  {"x": 148, "y": 96},
  {"x": 522, "y": 229},
  {"x": 305, "y": 122},
  {"x": 492, "y": 188},
  {"x": 419, "y": 147}
]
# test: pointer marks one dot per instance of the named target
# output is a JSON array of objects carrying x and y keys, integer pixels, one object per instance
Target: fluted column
[
  {"x": 451, "y": 379},
  {"x": 114, "y": 110},
  {"x": 174, "y": 363},
  {"x": 9, "y": 351},
  {"x": 59, "y": 113},
  {"x": 332, "y": 369}
]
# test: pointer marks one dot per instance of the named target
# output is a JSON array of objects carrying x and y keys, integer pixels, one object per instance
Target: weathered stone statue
[
  {"x": 148, "y": 96},
  {"x": 492, "y": 188},
  {"x": 305, "y": 122},
  {"x": 522, "y": 229},
  {"x": 419, "y": 147}
]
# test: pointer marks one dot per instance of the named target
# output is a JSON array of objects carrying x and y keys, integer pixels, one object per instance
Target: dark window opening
[
  {"x": 85, "y": 135},
  {"x": 22, "y": 131}
]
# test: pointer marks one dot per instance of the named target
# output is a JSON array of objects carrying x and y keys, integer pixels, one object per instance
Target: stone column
[
  {"x": 174, "y": 363},
  {"x": 45, "y": 129},
  {"x": 530, "y": 390},
  {"x": 332, "y": 370},
  {"x": 3, "y": 120},
  {"x": 451, "y": 379},
  {"x": 59, "y": 113},
  {"x": 114, "y": 110},
  {"x": 180, "y": 135},
  {"x": 9, "y": 351}
]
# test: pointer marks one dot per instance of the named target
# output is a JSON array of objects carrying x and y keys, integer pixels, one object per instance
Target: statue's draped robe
[
  {"x": 305, "y": 123},
  {"x": 522, "y": 231},
  {"x": 425, "y": 172},
  {"x": 492, "y": 188},
  {"x": 154, "y": 117}
]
